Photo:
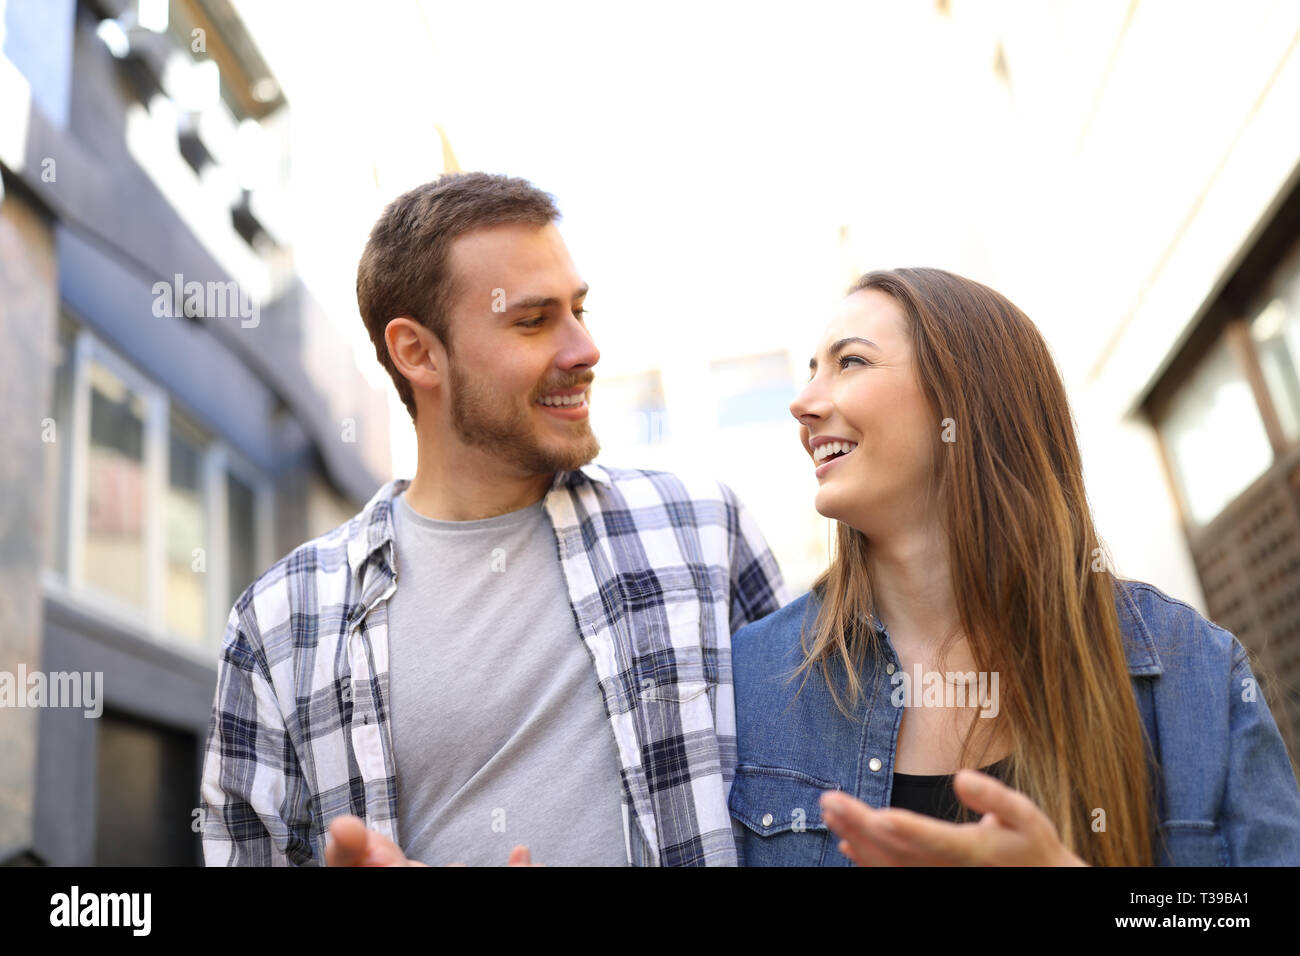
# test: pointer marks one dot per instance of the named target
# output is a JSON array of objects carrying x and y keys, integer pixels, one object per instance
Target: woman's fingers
[
  {"x": 884, "y": 837},
  {"x": 986, "y": 794}
]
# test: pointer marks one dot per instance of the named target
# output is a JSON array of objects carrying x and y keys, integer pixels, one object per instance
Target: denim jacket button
[
  {"x": 889, "y": 668},
  {"x": 767, "y": 819},
  {"x": 874, "y": 764}
]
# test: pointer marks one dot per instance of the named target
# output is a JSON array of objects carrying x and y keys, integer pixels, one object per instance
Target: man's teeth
[
  {"x": 822, "y": 452},
  {"x": 563, "y": 399}
]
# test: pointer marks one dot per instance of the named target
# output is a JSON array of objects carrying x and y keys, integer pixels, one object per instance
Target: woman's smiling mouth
[{"x": 828, "y": 450}]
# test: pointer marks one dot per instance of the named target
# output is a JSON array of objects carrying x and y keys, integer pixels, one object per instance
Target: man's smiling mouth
[
  {"x": 563, "y": 400},
  {"x": 567, "y": 403}
]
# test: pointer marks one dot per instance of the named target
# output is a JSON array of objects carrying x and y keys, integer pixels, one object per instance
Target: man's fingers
[
  {"x": 521, "y": 856},
  {"x": 346, "y": 845},
  {"x": 350, "y": 843}
]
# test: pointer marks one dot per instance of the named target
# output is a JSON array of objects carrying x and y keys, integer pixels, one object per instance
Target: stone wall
[{"x": 28, "y": 313}]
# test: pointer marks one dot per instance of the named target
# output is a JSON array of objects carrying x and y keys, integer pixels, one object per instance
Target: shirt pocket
[
  {"x": 674, "y": 665},
  {"x": 781, "y": 813},
  {"x": 1194, "y": 843}
]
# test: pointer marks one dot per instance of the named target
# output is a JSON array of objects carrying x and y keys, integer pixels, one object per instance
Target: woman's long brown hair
[{"x": 1031, "y": 581}]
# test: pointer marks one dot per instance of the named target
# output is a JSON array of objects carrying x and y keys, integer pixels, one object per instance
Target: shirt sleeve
[
  {"x": 250, "y": 772},
  {"x": 1261, "y": 815},
  {"x": 757, "y": 587}
]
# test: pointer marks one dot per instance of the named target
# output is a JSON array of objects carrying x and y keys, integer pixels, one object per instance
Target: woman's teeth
[{"x": 822, "y": 452}]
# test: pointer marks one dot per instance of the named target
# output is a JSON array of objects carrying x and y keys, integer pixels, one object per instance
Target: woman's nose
[{"x": 810, "y": 403}]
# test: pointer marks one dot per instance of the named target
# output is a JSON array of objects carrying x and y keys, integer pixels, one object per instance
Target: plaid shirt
[{"x": 660, "y": 572}]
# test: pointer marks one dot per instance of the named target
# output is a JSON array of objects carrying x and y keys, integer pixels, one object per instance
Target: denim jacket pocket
[
  {"x": 782, "y": 816},
  {"x": 1193, "y": 843}
]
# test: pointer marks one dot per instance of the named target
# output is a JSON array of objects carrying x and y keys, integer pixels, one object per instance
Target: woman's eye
[
  {"x": 853, "y": 358},
  {"x": 532, "y": 323}
]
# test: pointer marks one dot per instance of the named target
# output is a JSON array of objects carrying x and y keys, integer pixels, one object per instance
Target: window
[
  {"x": 57, "y": 434},
  {"x": 241, "y": 524},
  {"x": 186, "y": 535},
  {"x": 150, "y": 518},
  {"x": 1228, "y": 417},
  {"x": 113, "y": 551},
  {"x": 630, "y": 409},
  {"x": 1214, "y": 435},
  {"x": 756, "y": 388},
  {"x": 1275, "y": 330}
]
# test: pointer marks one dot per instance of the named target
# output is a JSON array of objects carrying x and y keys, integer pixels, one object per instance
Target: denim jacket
[{"x": 1227, "y": 794}]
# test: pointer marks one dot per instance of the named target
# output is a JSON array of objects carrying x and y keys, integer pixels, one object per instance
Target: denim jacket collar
[{"x": 1139, "y": 646}]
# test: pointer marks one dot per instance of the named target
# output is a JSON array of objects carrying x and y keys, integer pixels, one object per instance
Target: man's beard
[{"x": 486, "y": 419}]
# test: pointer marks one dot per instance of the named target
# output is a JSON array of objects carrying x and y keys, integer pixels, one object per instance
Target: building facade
[{"x": 179, "y": 410}]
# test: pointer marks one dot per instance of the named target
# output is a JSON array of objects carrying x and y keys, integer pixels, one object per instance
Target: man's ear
[{"x": 416, "y": 352}]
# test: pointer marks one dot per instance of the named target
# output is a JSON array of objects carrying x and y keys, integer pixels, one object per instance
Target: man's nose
[{"x": 579, "y": 349}]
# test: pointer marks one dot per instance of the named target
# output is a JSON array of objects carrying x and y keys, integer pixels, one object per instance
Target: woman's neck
[{"x": 912, "y": 587}]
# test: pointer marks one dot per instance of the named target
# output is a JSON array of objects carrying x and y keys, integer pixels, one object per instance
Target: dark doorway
[{"x": 146, "y": 794}]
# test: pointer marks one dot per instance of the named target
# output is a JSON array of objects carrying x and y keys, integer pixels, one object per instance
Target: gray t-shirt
[{"x": 499, "y": 731}]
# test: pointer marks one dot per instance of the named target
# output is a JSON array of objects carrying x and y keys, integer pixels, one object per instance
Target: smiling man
[{"x": 516, "y": 647}]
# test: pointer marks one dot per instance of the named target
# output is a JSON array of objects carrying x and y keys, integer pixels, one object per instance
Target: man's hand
[
  {"x": 1012, "y": 831},
  {"x": 351, "y": 844}
]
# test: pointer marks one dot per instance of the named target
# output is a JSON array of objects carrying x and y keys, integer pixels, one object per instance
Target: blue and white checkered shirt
[{"x": 661, "y": 570}]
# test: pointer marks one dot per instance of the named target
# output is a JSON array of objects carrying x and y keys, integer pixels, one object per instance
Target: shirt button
[
  {"x": 767, "y": 819},
  {"x": 874, "y": 764},
  {"x": 889, "y": 668}
]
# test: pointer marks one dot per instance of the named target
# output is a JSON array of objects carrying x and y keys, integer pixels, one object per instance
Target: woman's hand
[{"x": 1011, "y": 832}]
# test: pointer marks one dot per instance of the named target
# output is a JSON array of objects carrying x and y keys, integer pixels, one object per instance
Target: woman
[{"x": 969, "y": 620}]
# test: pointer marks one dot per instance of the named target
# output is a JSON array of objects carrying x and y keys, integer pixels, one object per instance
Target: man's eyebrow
[
  {"x": 543, "y": 302},
  {"x": 839, "y": 346}
]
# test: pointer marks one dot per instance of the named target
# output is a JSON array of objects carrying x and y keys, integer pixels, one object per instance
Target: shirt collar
[
  {"x": 372, "y": 529},
  {"x": 590, "y": 471}
]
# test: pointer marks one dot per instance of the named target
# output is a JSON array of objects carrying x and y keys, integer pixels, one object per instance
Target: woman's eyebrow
[{"x": 836, "y": 348}]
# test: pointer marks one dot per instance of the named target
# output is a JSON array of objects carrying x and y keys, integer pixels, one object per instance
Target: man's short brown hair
[{"x": 404, "y": 269}]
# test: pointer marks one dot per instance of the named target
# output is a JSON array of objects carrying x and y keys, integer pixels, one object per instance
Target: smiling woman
[{"x": 945, "y": 452}]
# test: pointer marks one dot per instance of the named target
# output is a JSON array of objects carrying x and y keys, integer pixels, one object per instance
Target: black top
[{"x": 932, "y": 794}]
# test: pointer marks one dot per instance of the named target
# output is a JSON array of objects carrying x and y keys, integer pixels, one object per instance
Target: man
[{"x": 515, "y": 646}]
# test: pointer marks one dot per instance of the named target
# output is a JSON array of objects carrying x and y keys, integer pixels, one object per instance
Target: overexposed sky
[
  {"x": 725, "y": 168},
  {"x": 705, "y": 155}
]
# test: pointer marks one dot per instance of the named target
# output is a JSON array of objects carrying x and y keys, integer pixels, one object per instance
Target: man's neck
[
  {"x": 468, "y": 484},
  {"x": 436, "y": 493}
]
